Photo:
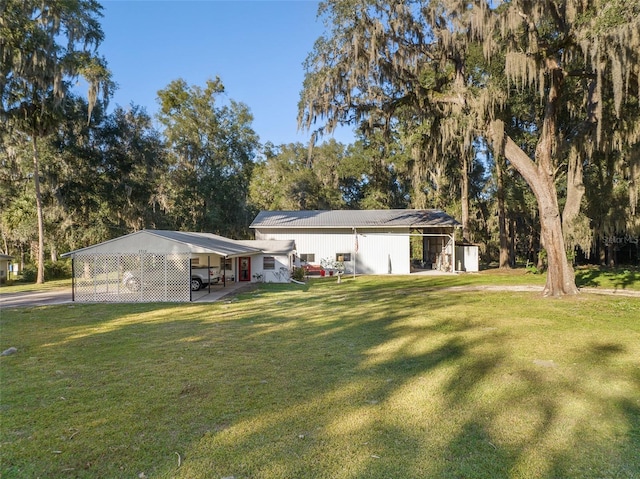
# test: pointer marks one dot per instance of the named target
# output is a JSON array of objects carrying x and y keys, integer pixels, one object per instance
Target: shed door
[{"x": 245, "y": 268}]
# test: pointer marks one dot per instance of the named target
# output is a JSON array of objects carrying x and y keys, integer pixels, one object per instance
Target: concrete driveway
[
  {"x": 62, "y": 296},
  {"x": 44, "y": 298}
]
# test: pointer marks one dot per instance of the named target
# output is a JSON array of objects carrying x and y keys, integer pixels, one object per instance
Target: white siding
[
  {"x": 136, "y": 243},
  {"x": 280, "y": 274},
  {"x": 379, "y": 252},
  {"x": 204, "y": 260},
  {"x": 467, "y": 258}
]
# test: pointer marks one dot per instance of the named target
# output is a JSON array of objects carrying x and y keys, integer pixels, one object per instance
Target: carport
[{"x": 162, "y": 260}]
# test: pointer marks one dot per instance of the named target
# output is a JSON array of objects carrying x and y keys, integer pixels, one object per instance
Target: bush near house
[{"x": 60, "y": 269}]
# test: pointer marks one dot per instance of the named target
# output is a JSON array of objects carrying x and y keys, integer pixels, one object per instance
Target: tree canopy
[
  {"x": 520, "y": 118},
  {"x": 213, "y": 147},
  {"x": 44, "y": 47},
  {"x": 412, "y": 66}
]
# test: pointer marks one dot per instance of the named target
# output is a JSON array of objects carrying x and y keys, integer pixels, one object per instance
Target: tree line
[{"x": 520, "y": 119}]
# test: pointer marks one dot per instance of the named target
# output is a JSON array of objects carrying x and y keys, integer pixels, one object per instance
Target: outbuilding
[
  {"x": 157, "y": 265},
  {"x": 5, "y": 263},
  {"x": 366, "y": 241}
]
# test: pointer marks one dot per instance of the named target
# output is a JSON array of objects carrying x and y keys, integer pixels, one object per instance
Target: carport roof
[
  {"x": 354, "y": 219},
  {"x": 203, "y": 243},
  {"x": 207, "y": 243}
]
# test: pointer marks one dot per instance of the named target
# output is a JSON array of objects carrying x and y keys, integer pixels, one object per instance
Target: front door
[{"x": 245, "y": 269}]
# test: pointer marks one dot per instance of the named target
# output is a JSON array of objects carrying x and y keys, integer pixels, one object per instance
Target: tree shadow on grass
[
  {"x": 332, "y": 383},
  {"x": 618, "y": 278}
]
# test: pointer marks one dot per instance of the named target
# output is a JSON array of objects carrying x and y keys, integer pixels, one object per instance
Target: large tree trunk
[
  {"x": 560, "y": 274},
  {"x": 540, "y": 176},
  {"x": 502, "y": 218},
  {"x": 36, "y": 182}
]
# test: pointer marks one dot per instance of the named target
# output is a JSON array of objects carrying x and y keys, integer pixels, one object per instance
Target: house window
[
  {"x": 268, "y": 262},
  {"x": 308, "y": 257},
  {"x": 343, "y": 257}
]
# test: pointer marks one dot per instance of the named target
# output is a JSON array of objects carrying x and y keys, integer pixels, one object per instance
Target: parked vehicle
[{"x": 200, "y": 277}]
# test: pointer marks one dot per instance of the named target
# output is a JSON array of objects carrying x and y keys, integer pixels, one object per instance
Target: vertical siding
[{"x": 378, "y": 251}]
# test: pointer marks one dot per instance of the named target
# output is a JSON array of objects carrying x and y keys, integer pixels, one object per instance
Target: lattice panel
[{"x": 132, "y": 278}]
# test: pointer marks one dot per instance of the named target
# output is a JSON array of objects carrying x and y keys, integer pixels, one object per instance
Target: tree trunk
[
  {"x": 540, "y": 176},
  {"x": 611, "y": 255},
  {"x": 513, "y": 228},
  {"x": 602, "y": 255},
  {"x": 575, "y": 192},
  {"x": 560, "y": 274},
  {"x": 502, "y": 218},
  {"x": 36, "y": 182},
  {"x": 464, "y": 198},
  {"x": 5, "y": 244}
]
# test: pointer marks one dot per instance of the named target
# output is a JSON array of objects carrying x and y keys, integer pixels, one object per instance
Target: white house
[
  {"x": 275, "y": 261},
  {"x": 5, "y": 262},
  {"x": 366, "y": 241},
  {"x": 164, "y": 262}
]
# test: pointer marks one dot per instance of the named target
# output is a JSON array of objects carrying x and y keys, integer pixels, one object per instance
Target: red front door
[{"x": 245, "y": 269}]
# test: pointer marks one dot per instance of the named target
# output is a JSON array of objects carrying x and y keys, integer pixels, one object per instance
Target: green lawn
[
  {"x": 20, "y": 287},
  {"x": 377, "y": 377}
]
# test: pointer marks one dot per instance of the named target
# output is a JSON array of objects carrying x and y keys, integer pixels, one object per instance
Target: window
[
  {"x": 343, "y": 257},
  {"x": 308, "y": 257},
  {"x": 268, "y": 262}
]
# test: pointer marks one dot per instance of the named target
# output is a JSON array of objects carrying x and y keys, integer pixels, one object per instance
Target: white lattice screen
[{"x": 127, "y": 278}]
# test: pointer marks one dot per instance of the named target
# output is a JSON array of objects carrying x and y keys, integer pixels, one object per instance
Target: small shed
[
  {"x": 5, "y": 262},
  {"x": 467, "y": 258},
  {"x": 164, "y": 262}
]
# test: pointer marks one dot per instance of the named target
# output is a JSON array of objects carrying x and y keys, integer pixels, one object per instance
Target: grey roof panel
[
  {"x": 207, "y": 241},
  {"x": 353, "y": 219},
  {"x": 271, "y": 246},
  {"x": 204, "y": 243}
]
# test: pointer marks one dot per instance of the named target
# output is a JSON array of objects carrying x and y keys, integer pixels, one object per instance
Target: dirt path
[
  {"x": 534, "y": 289},
  {"x": 62, "y": 296}
]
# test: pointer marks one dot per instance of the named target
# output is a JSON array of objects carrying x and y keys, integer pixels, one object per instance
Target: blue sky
[{"x": 257, "y": 48}]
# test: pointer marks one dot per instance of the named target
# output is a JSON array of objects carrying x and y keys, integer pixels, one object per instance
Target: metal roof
[
  {"x": 204, "y": 243},
  {"x": 431, "y": 218},
  {"x": 271, "y": 246}
]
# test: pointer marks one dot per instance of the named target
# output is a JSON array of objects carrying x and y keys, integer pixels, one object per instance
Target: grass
[
  {"x": 376, "y": 377},
  {"x": 610, "y": 278},
  {"x": 21, "y": 287}
]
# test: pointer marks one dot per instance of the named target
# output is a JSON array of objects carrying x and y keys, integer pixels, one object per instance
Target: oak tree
[
  {"x": 44, "y": 48},
  {"x": 407, "y": 64}
]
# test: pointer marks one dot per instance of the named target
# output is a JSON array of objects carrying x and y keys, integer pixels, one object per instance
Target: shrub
[
  {"x": 57, "y": 269},
  {"x": 52, "y": 270},
  {"x": 29, "y": 273},
  {"x": 297, "y": 274}
]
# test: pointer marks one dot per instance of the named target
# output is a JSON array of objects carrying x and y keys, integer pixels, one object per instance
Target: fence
[{"x": 130, "y": 278}]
